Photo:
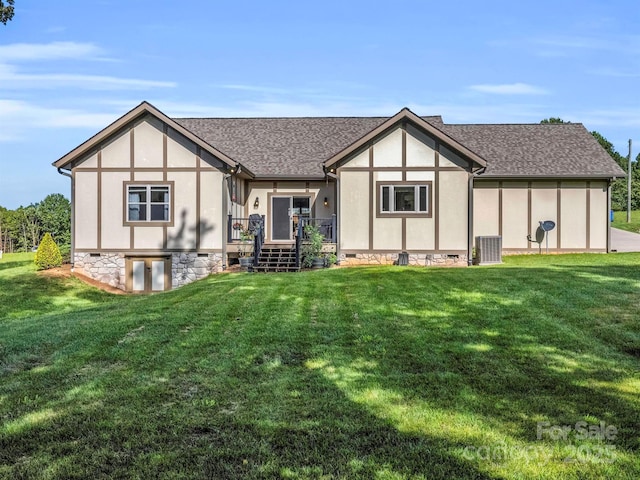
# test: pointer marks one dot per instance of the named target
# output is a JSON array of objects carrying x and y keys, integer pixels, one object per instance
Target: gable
[
  {"x": 425, "y": 134},
  {"x": 151, "y": 125}
]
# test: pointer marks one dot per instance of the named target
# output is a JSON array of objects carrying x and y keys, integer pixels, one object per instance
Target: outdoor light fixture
[
  {"x": 326, "y": 201},
  {"x": 256, "y": 204}
]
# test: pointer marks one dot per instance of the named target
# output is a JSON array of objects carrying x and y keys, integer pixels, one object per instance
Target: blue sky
[{"x": 68, "y": 68}]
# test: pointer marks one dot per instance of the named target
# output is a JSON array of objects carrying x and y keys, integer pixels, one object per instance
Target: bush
[
  {"x": 65, "y": 251},
  {"x": 48, "y": 254}
]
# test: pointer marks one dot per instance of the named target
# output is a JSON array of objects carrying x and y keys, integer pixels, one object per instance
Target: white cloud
[
  {"x": 509, "y": 89},
  {"x": 11, "y": 78},
  {"x": 49, "y": 51},
  {"x": 17, "y": 117}
]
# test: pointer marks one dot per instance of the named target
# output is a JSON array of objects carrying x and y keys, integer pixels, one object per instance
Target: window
[
  {"x": 404, "y": 199},
  {"x": 148, "y": 203}
]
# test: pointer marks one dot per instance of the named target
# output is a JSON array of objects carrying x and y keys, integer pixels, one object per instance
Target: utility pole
[{"x": 629, "y": 186}]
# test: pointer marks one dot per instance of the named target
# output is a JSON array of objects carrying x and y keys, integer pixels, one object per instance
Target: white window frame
[
  {"x": 149, "y": 187},
  {"x": 392, "y": 198}
]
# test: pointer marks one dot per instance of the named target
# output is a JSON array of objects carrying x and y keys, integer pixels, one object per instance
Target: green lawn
[
  {"x": 382, "y": 372},
  {"x": 620, "y": 221}
]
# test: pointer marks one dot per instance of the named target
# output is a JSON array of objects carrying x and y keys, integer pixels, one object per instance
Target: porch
[{"x": 246, "y": 239}]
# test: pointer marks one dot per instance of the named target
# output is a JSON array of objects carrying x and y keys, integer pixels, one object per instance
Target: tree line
[
  {"x": 22, "y": 229},
  {"x": 619, "y": 186}
]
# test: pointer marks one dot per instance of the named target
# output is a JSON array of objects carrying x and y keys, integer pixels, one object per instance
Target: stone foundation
[
  {"x": 109, "y": 268},
  {"x": 417, "y": 259},
  {"x": 106, "y": 268},
  {"x": 189, "y": 267}
]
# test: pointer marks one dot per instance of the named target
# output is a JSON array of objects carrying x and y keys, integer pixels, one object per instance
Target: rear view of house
[{"x": 160, "y": 202}]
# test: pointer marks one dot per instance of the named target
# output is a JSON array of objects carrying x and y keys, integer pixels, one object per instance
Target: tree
[
  {"x": 48, "y": 254},
  {"x": 552, "y": 120},
  {"x": 54, "y": 216},
  {"x": 6, "y": 11}
]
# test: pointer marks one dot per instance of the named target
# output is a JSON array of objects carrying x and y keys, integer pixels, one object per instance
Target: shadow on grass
[{"x": 358, "y": 373}]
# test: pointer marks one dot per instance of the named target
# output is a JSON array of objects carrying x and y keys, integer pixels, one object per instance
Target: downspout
[
  {"x": 609, "y": 213},
  {"x": 225, "y": 218},
  {"x": 338, "y": 221},
  {"x": 73, "y": 215},
  {"x": 472, "y": 177}
]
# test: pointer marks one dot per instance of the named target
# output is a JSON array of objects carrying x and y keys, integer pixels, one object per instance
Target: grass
[
  {"x": 382, "y": 372},
  {"x": 620, "y": 221}
]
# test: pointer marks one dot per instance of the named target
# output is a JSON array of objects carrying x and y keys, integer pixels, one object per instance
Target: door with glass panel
[
  {"x": 148, "y": 274},
  {"x": 286, "y": 212}
]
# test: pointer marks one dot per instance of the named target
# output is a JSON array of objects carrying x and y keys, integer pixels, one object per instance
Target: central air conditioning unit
[{"x": 488, "y": 250}]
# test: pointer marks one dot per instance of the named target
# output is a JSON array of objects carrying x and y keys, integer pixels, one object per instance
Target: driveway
[{"x": 623, "y": 241}]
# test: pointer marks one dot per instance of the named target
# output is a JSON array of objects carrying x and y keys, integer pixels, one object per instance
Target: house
[{"x": 159, "y": 202}]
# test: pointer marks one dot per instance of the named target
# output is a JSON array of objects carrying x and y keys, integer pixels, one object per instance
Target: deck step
[{"x": 277, "y": 258}]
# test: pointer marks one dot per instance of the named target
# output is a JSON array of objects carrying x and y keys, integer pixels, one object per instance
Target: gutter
[
  {"x": 472, "y": 177},
  {"x": 73, "y": 215}
]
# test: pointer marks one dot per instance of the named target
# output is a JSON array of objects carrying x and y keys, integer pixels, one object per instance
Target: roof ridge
[
  {"x": 276, "y": 118},
  {"x": 512, "y": 124}
]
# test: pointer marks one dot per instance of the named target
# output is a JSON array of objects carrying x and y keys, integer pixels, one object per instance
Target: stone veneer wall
[
  {"x": 418, "y": 259},
  {"x": 106, "y": 268},
  {"x": 189, "y": 267},
  {"x": 109, "y": 268}
]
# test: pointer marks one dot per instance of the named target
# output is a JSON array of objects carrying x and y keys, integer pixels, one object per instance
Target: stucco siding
[
  {"x": 486, "y": 220},
  {"x": 420, "y": 149},
  {"x": 86, "y": 210},
  {"x": 183, "y": 233},
  {"x": 420, "y": 234},
  {"x": 449, "y": 158},
  {"x": 148, "y": 238},
  {"x": 599, "y": 215},
  {"x": 114, "y": 234},
  {"x": 91, "y": 161},
  {"x": 144, "y": 176},
  {"x": 359, "y": 160},
  {"x": 452, "y": 210},
  {"x": 354, "y": 210},
  {"x": 387, "y": 234},
  {"x": 515, "y": 215},
  {"x": 147, "y": 143},
  {"x": 544, "y": 206},
  {"x": 573, "y": 216},
  {"x": 211, "y": 222},
  {"x": 387, "y": 152},
  {"x": 181, "y": 153},
  {"x": 116, "y": 153},
  {"x": 420, "y": 176}
]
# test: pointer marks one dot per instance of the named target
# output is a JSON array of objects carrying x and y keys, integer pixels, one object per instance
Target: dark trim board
[
  {"x": 410, "y": 252},
  {"x": 146, "y": 251}
]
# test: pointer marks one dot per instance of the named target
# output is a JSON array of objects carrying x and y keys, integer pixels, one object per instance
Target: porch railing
[
  {"x": 326, "y": 226},
  {"x": 237, "y": 226},
  {"x": 258, "y": 240}
]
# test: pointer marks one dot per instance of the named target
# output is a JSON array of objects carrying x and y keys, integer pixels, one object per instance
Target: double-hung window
[
  {"x": 148, "y": 203},
  {"x": 404, "y": 199}
]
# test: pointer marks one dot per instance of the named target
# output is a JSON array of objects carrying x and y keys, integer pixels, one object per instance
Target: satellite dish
[{"x": 547, "y": 225}]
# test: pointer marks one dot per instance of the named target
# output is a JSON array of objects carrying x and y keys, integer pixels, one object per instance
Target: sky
[{"x": 69, "y": 68}]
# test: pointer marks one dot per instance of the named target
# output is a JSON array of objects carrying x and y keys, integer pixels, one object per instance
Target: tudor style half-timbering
[{"x": 160, "y": 202}]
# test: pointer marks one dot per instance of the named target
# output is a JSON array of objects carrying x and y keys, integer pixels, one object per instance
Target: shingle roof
[
  {"x": 550, "y": 150},
  {"x": 291, "y": 147},
  {"x": 281, "y": 146}
]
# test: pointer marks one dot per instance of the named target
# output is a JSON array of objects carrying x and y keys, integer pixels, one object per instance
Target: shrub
[{"x": 48, "y": 254}]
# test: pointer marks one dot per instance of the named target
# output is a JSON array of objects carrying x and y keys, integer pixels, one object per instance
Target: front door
[
  {"x": 286, "y": 212},
  {"x": 147, "y": 274},
  {"x": 281, "y": 219}
]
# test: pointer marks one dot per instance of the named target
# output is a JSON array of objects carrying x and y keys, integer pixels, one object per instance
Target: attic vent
[{"x": 488, "y": 250}]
